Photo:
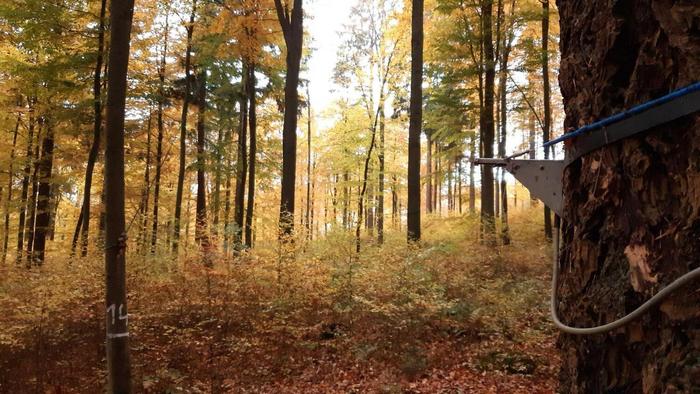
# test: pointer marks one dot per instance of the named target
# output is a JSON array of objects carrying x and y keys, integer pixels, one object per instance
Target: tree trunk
[
  {"x": 308, "y": 161},
  {"x": 503, "y": 88},
  {"x": 293, "y": 30},
  {"x": 31, "y": 102},
  {"x": 380, "y": 192},
  {"x": 159, "y": 143},
  {"x": 30, "y": 224},
  {"x": 84, "y": 224},
  {"x": 183, "y": 130},
  {"x": 547, "y": 103},
  {"x": 118, "y": 366},
  {"x": 472, "y": 170},
  {"x": 253, "y": 123},
  {"x": 242, "y": 163},
  {"x": 43, "y": 203},
  {"x": 146, "y": 193},
  {"x": 10, "y": 176},
  {"x": 429, "y": 176},
  {"x": 487, "y": 132},
  {"x": 632, "y": 210},
  {"x": 416, "y": 122},
  {"x": 201, "y": 235}
]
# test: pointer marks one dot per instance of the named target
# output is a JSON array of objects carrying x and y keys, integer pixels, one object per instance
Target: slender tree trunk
[
  {"x": 118, "y": 365},
  {"x": 253, "y": 123},
  {"x": 487, "y": 133},
  {"x": 30, "y": 225},
  {"x": 346, "y": 200},
  {"x": 293, "y": 30},
  {"x": 31, "y": 102},
  {"x": 146, "y": 193},
  {"x": 43, "y": 208},
  {"x": 472, "y": 173},
  {"x": 201, "y": 235},
  {"x": 380, "y": 192},
  {"x": 429, "y": 176},
  {"x": 459, "y": 185},
  {"x": 10, "y": 179},
  {"x": 215, "y": 206},
  {"x": 242, "y": 163},
  {"x": 547, "y": 103},
  {"x": 159, "y": 143},
  {"x": 183, "y": 130},
  {"x": 631, "y": 206},
  {"x": 227, "y": 197},
  {"x": 503, "y": 88},
  {"x": 84, "y": 224},
  {"x": 416, "y": 122},
  {"x": 308, "y": 161}
]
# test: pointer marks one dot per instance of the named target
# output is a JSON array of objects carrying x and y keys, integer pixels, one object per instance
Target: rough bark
[
  {"x": 183, "y": 130},
  {"x": 416, "y": 122},
  {"x": 632, "y": 207},
  {"x": 30, "y": 224},
  {"x": 116, "y": 316},
  {"x": 429, "y": 175}
]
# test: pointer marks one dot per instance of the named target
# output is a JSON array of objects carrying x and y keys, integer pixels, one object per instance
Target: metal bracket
[{"x": 543, "y": 178}]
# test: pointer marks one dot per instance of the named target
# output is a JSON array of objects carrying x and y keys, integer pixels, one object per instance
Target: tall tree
[
  {"x": 308, "y": 161},
  {"x": 292, "y": 24},
  {"x": 242, "y": 162},
  {"x": 253, "y": 123},
  {"x": 31, "y": 103},
  {"x": 547, "y": 103},
  {"x": 84, "y": 224},
  {"x": 43, "y": 215},
  {"x": 10, "y": 181},
  {"x": 487, "y": 124},
  {"x": 201, "y": 211},
  {"x": 161, "y": 132},
  {"x": 183, "y": 129},
  {"x": 632, "y": 206},
  {"x": 416, "y": 122},
  {"x": 118, "y": 365}
]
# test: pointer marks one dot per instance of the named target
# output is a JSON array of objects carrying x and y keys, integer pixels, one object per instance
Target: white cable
[{"x": 637, "y": 313}]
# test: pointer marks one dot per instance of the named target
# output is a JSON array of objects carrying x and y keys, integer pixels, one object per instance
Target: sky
[{"x": 327, "y": 19}]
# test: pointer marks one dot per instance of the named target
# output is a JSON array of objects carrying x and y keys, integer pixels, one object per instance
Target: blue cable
[{"x": 627, "y": 114}]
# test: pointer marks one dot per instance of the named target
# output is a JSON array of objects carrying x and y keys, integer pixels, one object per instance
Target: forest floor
[{"x": 450, "y": 316}]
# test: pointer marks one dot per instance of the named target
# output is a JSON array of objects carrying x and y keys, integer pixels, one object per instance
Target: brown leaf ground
[{"x": 451, "y": 316}]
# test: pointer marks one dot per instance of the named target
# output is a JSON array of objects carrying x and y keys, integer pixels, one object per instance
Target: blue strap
[{"x": 695, "y": 87}]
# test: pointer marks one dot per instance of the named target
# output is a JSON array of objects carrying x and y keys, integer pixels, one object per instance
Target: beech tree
[
  {"x": 292, "y": 23},
  {"x": 416, "y": 122},
  {"x": 116, "y": 317}
]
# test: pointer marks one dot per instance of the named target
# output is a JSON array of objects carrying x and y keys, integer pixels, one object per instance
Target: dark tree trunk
[
  {"x": 503, "y": 89},
  {"x": 183, "y": 130},
  {"x": 146, "y": 193},
  {"x": 416, "y": 122},
  {"x": 253, "y": 123},
  {"x": 43, "y": 204},
  {"x": 201, "y": 235},
  {"x": 84, "y": 224},
  {"x": 118, "y": 366},
  {"x": 30, "y": 224},
  {"x": 308, "y": 162},
  {"x": 547, "y": 103},
  {"x": 429, "y": 176},
  {"x": 293, "y": 30},
  {"x": 242, "y": 163},
  {"x": 10, "y": 179},
  {"x": 633, "y": 219},
  {"x": 380, "y": 192},
  {"x": 472, "y": 170},
  {"x": 346, "y": 200},
  {"x": 31, "y": 102},
  {"x": 487, "y": 132},
  {"x": 159, "y": 143}
]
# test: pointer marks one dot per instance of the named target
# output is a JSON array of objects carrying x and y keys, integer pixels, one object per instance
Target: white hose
[{"x": 637, "y": 313}]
